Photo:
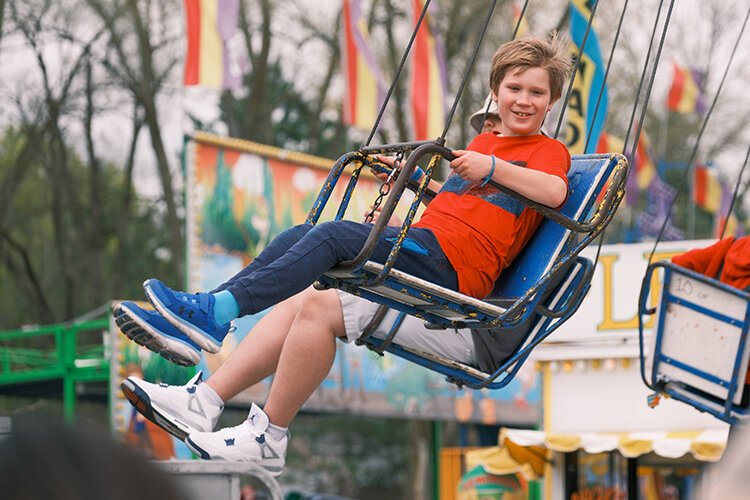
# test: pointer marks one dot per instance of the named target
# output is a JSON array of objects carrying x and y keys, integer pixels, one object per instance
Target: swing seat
[
  {"x": 698, "y": 351},
  {"x": 557, "y": 306},
  {"x": 521, "y": 286}
]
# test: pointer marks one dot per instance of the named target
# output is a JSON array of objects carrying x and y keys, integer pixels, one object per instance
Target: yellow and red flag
[
  {"x": 733, "y": 226},
  {"x": 365, "y": 87},
  {"x": 608, "y": 143},
  {"x": 707, "y": 190},
  {"x": 428, "y": 79},
  {"x": 209, "y": 60},
  {"x": 686, "y": 93},
  {"x": 645, "y": 168},
  {"x": 520, "y": 20},
  {"x": 723, "y": 217}
]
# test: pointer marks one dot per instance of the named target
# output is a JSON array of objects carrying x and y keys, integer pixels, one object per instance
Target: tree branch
[{"x": 38, "y": 298}]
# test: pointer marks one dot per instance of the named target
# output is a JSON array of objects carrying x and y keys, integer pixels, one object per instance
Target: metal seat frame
[
  {"x": 523, "y": 289},
  {"x": 558, "y": 240},
  {"x": 698, "y": 353}
]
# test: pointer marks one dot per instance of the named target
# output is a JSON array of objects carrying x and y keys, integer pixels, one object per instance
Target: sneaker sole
[
  {"x": 140, "y": 400},
  {"x": 272, "y": 470},
  {"x": 204, "y": 340},
  {"x": 144, "y": 335}
]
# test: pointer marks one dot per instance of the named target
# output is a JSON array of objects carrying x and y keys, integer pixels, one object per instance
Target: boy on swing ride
[{"x": 462, "y": 242}]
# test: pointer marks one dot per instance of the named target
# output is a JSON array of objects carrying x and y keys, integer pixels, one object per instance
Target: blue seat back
[{"x": 586, "y": 179}]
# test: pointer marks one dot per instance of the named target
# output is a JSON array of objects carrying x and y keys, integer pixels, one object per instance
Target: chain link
[{"x": 385, "y": 188}]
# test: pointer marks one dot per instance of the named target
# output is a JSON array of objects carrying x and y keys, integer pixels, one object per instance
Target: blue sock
[{"x": 226, "y": 307}]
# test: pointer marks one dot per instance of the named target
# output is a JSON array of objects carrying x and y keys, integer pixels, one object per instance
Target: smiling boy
[{"x": 526, "y": 79}]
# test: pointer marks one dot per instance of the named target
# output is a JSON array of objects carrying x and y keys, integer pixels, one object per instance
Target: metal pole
[
  {"x": 67, "y": 350},
  {"x": 437, "y": 444}
]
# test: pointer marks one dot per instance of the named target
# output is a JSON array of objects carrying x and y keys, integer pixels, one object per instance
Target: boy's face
[{"x": 523, "y": 100}]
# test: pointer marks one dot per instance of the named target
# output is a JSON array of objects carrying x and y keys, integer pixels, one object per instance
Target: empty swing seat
[{"x": 698, "y": 352}]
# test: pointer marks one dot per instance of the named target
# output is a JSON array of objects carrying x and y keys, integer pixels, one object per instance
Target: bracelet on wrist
[
  {"x": 492, "y": 172},
  {"x": 417, "y": 174}
]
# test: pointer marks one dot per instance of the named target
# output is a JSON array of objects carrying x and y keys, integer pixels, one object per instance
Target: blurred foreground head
[
  {"x": 733, "y": 467},
  {"x": 47, "y": 460}
]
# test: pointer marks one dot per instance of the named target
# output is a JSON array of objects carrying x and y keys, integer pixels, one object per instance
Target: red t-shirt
[
  {"x": 729, "y": 257},
  {"x": 482, "y": 231}
]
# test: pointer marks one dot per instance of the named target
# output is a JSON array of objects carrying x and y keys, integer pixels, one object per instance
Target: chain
[{"x": 385, "y": 188}]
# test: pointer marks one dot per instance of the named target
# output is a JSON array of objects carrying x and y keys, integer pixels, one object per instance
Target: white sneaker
[
  {"x": 247, "y": 442},
  {"x": 178, "y": 409}
]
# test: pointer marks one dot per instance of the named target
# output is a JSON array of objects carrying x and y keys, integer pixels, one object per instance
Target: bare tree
[
  {"x": 258, "y": 107},
  {"x": 321, "y": 95},
  {"x": 61, "y": 197},
  {"x": 141, "y": 57},
  {"x": 36, "y": 22},
  {"x": 14, "y": 254}
]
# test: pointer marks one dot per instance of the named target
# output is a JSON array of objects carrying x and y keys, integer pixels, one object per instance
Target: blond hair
[{"x": 548, "y": 54}]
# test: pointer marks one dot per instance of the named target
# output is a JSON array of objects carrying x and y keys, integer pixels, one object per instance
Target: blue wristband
[
  {"x": 417, "y": 174},
  {"x": 492, "y": 172}
]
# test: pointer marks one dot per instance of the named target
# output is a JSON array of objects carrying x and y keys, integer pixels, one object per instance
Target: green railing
[{"x": 71, "y": 352}]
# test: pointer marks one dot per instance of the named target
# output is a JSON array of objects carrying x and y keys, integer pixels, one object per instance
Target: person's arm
[
  {"x": 538, "y": 186},
  {"x": 395, "y": 220},
  {"x": 433, "y": 186},
  {"x": 696, "y": 260},
  {"x": 706, "y": 260}
]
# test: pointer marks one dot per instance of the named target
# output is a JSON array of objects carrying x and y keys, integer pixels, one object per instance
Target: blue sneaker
[
  {"x": 148, "y": 328},
  {"x": 193, "y": 313}
]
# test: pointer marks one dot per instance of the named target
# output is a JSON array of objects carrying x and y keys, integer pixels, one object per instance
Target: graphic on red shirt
[{"x": 483, "y": 230}]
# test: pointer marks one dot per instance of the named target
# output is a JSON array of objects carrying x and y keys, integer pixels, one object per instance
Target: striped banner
[
  {"x": 707, "y": 190},
  {"x": 428, "y": 79},
  {"x": 209, "y": 26},
  {"x": 733, "y": 226},
  {"x": 643, "y": 172},
  {"x": 523, "y": 25},
  {"x": 703, "y": 444},
  {"x": 587, "y": 85},
  {"x": 608, "y": 143},
  {"x": 686, "y": 94},
  {"x": 732, "y": 223},
  {"x": 365, "y": 87},
  {"x": 645, "y": 168},
  {"x": 659, "y": 209}
]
